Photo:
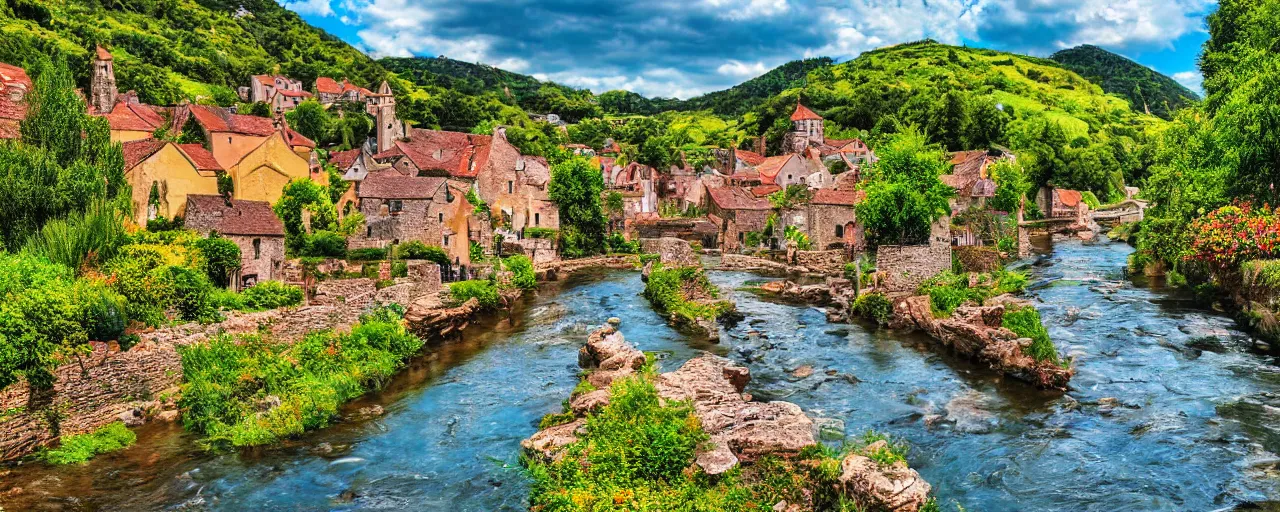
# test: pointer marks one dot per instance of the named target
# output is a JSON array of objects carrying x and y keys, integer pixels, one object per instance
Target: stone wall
[
  {"x": 730, "y": 261},
  {"x": 904, "y": 267},
  {"x": 823, "y": 262},
  {"x": 671, "y": 251},
  {"x": 555, "y": 269},
  {"x": 978, "y": 259},
  {"x": 540, "y": 250},
  {"x": 354, "y": 292},
  {"x": 110, "y": 386}
]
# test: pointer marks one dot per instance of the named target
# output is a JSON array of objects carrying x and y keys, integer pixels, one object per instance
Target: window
[
  {"x": 839, "y": 231},
  {"x": 446, "y": 240},
  {"x": 741, "y": 237},
  {"x": 395, "y": 205},
  {"x": 537, "y": 219},
  {"x": 228, "y": 140},
  {"x": 368, "y": 231},
  {"x": 510, "y": 187},
  {"x": 257, "y": 248},
  {"x": 441, "y": 217}
]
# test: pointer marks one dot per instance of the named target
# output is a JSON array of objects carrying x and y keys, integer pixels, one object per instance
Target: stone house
[
  {"x": 806, "y": 129},
  {"x": 1060, "y": 202},
  {"x": 737, "y": 212},
  {"x": 330, "y": 91},
  {"x": 285, "y": 100},
  {"x": 832, "y": 221},
  {"x": 252, "y": 225},
  {"x": 14, "y": 86},
  {"x": 264, "y": 88},
  {"x": 173, "y": 171},
  {"x": 262, "y": 173},
  {"x": 231, "y": 136},
  {"x": 429, "y": 209},
  {"x": 784, "y": 170}
]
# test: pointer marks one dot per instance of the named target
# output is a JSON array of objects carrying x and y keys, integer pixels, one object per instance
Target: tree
[
  {"x": 576, "y": 187},
  {"x": 1011, "y": 185},
  {"x": 303, "y": 194},
  {"x": 904, "y": 194},
  {"x": 311, "y": 120}
]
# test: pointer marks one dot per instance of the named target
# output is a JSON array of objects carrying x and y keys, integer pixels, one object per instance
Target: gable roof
[
  {"x": 294, "y": 138},
  {"x": 750, "y": 157},
  {"x": 1069, "y": 198},
  {"x": 770, "y": 167},
  {"x": 393, "y": 185},
  {"x": 343, "y": 159},
  {"x": 326, "y": 85},
  {"x": 200, "y": 157},
  {"x": 240, "y": 217},
  {"x": 827, "y": 196},
  {"x": 219, "y": 120},
  {"x": 135, "y": 151},
  {"x": 764, "y": 190},
  {"x": 129, "y": 116},
  {"x": 102, "y": 53},
  {"x": 461, "y": 155},
  {"x": 738, "y": 198},
  {"x": 803, "y": 113}
]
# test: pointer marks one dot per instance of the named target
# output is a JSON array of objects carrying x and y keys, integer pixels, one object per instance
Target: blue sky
[{"x": 683, "y": 48}]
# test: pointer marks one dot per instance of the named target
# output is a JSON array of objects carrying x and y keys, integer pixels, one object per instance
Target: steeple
[{"x": 102, "y": 85}]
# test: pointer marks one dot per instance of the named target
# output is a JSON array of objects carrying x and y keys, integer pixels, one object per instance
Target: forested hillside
[
  {"x": 740, "y": 98},
  {"x": 1142, "y": 86},
  {"x": 1065, "y": 129},
  {"x": 479, "y": 79}
]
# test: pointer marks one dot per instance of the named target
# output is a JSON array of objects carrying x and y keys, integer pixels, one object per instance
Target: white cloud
[
  {"x": 738, "y": 10},
  {"x": 1055, "y": 24},
  {"x": 1193, "y": 80},
  {"x": 869, "y": 24},
  {"x": 316, "y": 7},
  {"x": 739, "y": 69}
]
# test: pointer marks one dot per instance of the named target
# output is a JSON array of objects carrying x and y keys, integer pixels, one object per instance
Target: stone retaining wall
[
  {"x": 671, "y": 251},
  {"x": 553, "y": 270},
  {"x": 904, "y": 267},
  {"x": 822, "y": 262}
]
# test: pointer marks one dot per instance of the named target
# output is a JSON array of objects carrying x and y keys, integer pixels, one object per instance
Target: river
[{"x": 1172, "y": 408}]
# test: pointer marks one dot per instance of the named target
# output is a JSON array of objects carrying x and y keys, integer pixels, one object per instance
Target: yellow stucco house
[
  {"x": 264, "y": 171},
  {"x": 174, "y": 171}
]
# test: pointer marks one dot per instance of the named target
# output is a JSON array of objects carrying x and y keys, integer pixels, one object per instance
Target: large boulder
[
  {"x": 893, "y": 488},
  {"x": 549, "y": 443}
]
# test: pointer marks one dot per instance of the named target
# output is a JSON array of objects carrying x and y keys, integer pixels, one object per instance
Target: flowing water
[{"x": 1171, "y": 409}]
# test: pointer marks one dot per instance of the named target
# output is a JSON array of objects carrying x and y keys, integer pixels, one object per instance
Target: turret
[{"x": 102, "y": 88}]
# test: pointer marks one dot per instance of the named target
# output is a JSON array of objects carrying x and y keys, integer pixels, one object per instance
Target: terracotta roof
[
  {"x": 201, "y": 157},
  {"x": 462, "y": 155},
  {"x": 968, "y": 163},
  {"x": 803, "y": 113},
  {"x": 1069, "y": 198},
  {"x": 343, "y": 159},
  {"x": 265, "y": 80},
  {"x": 764, "y": 190},
  {"x": 103, "y": 54},
  {"x": 287, "y": 92},
  {"x": 393, "y": 185},
  {"x": 135, "y": 151},
  {"x": 737, "y": 198},
  {"x": 219, "y": 120},
  {"x": 241, "y": 217},
  {"x": 133, "y": 117},
  {"x": 750, "y": 157},
  {"x": 297, "y": 139},
  {"x": 745, "y": 176},
  {"x": 837, "y": 197},
  {"x": 770, "y": 167},
  {"x": 715, "y": 219},
  {"x": 327, "y": 85},
  {"x": 847, "y": 180}
]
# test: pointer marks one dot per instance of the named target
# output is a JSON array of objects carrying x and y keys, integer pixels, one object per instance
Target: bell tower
[
  {"x": 102, "y": 85},
  {"x": 382, "y": 105}
]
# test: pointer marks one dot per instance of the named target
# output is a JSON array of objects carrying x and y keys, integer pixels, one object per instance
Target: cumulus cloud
[
  {"x": 1193, "y": 80},
  {"x": 739, "y": 69},
  {"x": 1044, "y": 26},
  {"x": 314, "y": 7}
]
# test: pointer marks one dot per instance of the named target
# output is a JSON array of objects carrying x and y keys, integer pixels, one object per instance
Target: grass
[
  {"x": 482, "y": 290},
  {"x": 948, "y": 290},
  {"x": 685, "y": 292},
  {"x": 1025, "y": 322},
  {"x": 251, "y": 391},
  {"x": 1261, "y": 274},
  {"x": 893, "y": 452},
  {"x": 79, "y": 448}
]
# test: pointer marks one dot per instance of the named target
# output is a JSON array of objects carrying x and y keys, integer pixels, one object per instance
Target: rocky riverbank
[
  {"x": 972, "y": 331},
  {"x": 741, "y": 433}
]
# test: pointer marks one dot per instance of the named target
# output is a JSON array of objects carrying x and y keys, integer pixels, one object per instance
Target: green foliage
[
  {"x": 324, "y": 244},
  {"x": 1012, "y": 186},
  {"x": 253, "y": 391},
  {"x": 311, "y": 120},
  {"x": 892, "y": 452},
  {"x": 904, "y": 193},
  {"x": 521, "y": 268},
  {"x": 576, "y": 187},
  {"x": 1090, "y": 199},
  {"x": 791, "y": 197},
  {"x": 738, "y": 99},
  {"x": 299, "y": 195},
  {"x": 82, "y": 238},
  {"x": 615, "y": 243},
  {"x": 416, "y": 250},
  {"x": 949, "y": 290},
  {"x": 1025, "y": 322},
  {"x": 874, "y": 306},
  {"x": 155, "y": 276},
  {"x": 79, "y": 448},
  {"x": 271, "y": 295},
  {"x": 1141, "y": 85},
  {"x": 482, "y": 290},
  {"x": 476, "y": 252},
  {"x": 368, "y": 254},
  {"x": 801, "y": 240},
  {"x": 221, "y": 258},
  {"x": 546, "y": 233},
  {"x": 686, "y": 293}
]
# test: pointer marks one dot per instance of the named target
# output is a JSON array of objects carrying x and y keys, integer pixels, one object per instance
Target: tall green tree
[
  {"x": 904, "y": 194},
  {"x": 576, "y": 187}
]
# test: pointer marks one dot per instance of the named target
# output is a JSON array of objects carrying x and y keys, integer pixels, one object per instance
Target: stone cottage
[
  {"x": 971, "y": 179},
  {"x": 252, "y": 225},
  {"x": 737, "y": 212},
  {"x": 784, "y": 170},
  {"x": 833, "y": 223},
  {"x": 399, "y": 208}
]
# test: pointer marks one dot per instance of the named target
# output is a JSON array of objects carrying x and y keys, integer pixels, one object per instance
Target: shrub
[
  {"x": 271, "y": 295},
  {"x": 892, "y": 452},
  {"x": 103, "y": 314},
  {"x": 191, "y": 293},
  {"x": 546, "y": 233},
  {"x": 325, "y": 244},
  {"x": 874, "y": 306},
  {"x": 367, "y": 254},
  {"x": 685, "y": 292},
  {"x": 79, "y": 448},
  {"x": 415, "y": 250},
  {"x": 476, "y": 252},
  {"x": 221, "y": 258},
  {"x": 481, "y": 289},
  {"x": 399, "y": 269},
  {"x": 1090, "y": 199},
  {"x": 225, "y": 299},
  {"x": 1025, "y": 322},
  {"x": 42, "y": 314},
  {"x": 616, "y": 243},
  {"x": 521, "y": 268}
]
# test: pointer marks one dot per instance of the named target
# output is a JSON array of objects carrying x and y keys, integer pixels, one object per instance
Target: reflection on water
[{"x": 1171, "y": 408}]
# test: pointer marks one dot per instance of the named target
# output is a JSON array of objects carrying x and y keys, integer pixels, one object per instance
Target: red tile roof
[
  {"x": 200, "y": 156},
  {"x": 133, "y": 117},
  {"x": 393, "y": 185},
  {"x": 343, "y": 159},
  {"x": 241, "y": 217},
  {"x": 750, "y": 157},
  {"x": 764, "y": 190},
  {"x": 135, "y": 151},
  {"x": 103, "y": 54},
  {"x": 287, "y": 92},
  {"x": 462, "y": 155},
  {"x": 770, "y": 167},
  {"x": 265, "y": 80},
  {"x": 838, "y": 197},
  {"x": 737, "y": 198},
  {"x": 294, "y": 138},
  {"x": 803, "y": 113},
  {"x": 219, "y": 120},
  {"x": 327, "y": 85}
]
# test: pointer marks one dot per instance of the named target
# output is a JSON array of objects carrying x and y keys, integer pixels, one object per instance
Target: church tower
[
  {"x": 382, "y": 106},
  {"x": 806, "y": 129},
  {"x": 102, "y": 85}
]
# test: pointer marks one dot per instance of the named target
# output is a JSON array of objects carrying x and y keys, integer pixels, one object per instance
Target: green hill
[
  {"x": 1141, "y": 85},
  {"x": 740, "y": 98},
  {"x": 466, "y": 77}
]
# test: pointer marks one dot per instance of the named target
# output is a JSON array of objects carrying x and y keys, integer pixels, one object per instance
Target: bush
[
  {"x": 481, "y": 289},
  {"x": 221, "y": 258},
  {"x": 42, "y": 314},
  {"x": 399, "y": 269},
  {"x": 191, "y": 293},
  {"x": 325, "y": 244},
  {"x": 521, "y": 268},
  {"x": 546, "y": 233},
  {"x": 367, "y": 254},
  {"x": 103, "y": 314},
  {"x": 616, "y": 243},
  {"x": 670, "y": 290},
  {"x": 271, "y": 295},
  {"x": 949, "y": 290},
  {"x": 79, "y": 448},
  {"x": 415, "y": 250},
  {"x": 874, "y": 306},
  {"x": 251, "y": 391},
  {"x": 1025, "y": 322}
]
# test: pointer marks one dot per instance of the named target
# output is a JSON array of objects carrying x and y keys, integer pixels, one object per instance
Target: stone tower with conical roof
[
  {"x": 102, "y": 86},
  {"x": 382, "y": 106},
  {"x": 806, "y": 129}
]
